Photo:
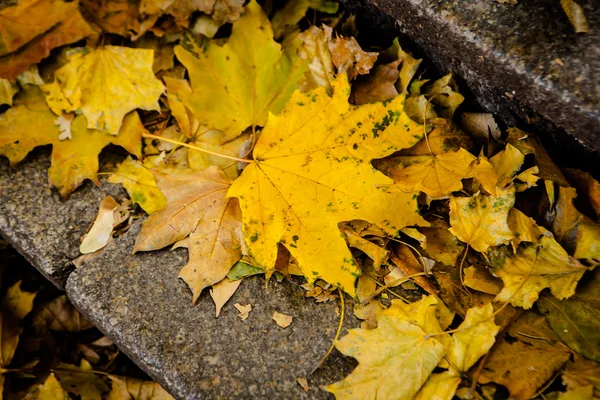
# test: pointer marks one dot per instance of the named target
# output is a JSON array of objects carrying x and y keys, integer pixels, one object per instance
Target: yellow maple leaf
[
  {"x": 50, "y": 390},
  {"x": 225, "y": 99},
  {"x": 474, "y": 337},
  {"x": 30, "y": 123},
  {"x": 441, "y": 386},
  {"x": 31, "y": 28},
  {"x": 196, "y": 206},
  {"x": 535, "y": 267},
  {"x": 507, "y": 163},
  {"x": 140, "y": 184},
  {"x": 125, "y": 387},
  {"x": 481, "y": 221},
  {"x": 312, "y": 170},
  {"x": 104, "y": 85},
  {"x": 7, "y": 91},
  {"x": 395, "y": 359}
]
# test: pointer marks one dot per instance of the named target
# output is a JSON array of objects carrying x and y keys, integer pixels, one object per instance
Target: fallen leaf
[
  {"x": 7, "y": 91},
  {"x": 420, "y": 109},
  {"x": 282, "y": 320},
  {"x": 196, "y": 206},
  {"x": 588, "y": 241},
  {"x": 219, "y": 10},
  {"x": 440, "y": 386},
  {"x": 231, "y": 102},
  {"x": 442, "y": 245},
  {"x": 406, "y": 261},
  {"x": 482, "y": 280},
  {"x": 397, "y": 344},
  {"x": 243, "y": 310},
  {"x": 587, "y": 188},
  {"x": 437, "y": 176},
  {"x": 533, "y": 268},
  {"x": 32, "y": 28},
  {"x": 348, "y": 57},
  {"x": 315, "y": 49},
  {"x": 17, "y": 301},
  {"x": 527, "y": 179},
  {"x": 222, "y": 291},
  {"x": 243, "y": 269},
  {"x": 163, "y": 50},
  {"x": 409, "y": 66},
  {"x": 379, "y": 85},
  {"x": 444, "y": 94},
  {"x": 445, "y": 137},
  {"x": 59, "y": 315},
  {"x": 114, "y": 16},
  {"x": 576, "y": 320},
  {"x": 30, "y": 123},
  {"x": 285, "y": 21},
  {"x": 480, "y": 125},
  {"x": 104, "y": 85},
  {"x": 563, "y": 217},
  {"x": 50, "y": 390},
  {"x": 100, "y": 232},
  {"x": 303, "y": 382},
  {"x": 63, "y": 122},
  {"x": 368, "y": 313},
  {"x": 376, "y": 253},
  {"x": 80, "y": 381},
  {"x": 507, "y": 163},
  {"x": 580, "y": 373},
  {"x": 481, "y": 221},
  {"x": 576, "y": 15},
  {"x": 140, "y": 185},
  {"x": 532, "y": 352},
  {"x": 10, "y": 331},
  {"x": 582, "y": 393},
  {"x": 127, "y": 388},
  {"x": 297, "y": 191},
  {"x": 524, "y": 228},
  {"x": 472, "y": 339}
]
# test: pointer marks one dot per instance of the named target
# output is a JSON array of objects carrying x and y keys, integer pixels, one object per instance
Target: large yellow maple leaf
[
  {"x": 224, "y": 98},
  {"x": 104, "y": 85},
  {"x": 312, "y": 170},
  {"x": 396, "y": 358},
  {"x": 196, "y": 206},
  {"x": 30, "y": 123},
  {"x": 31, "y": 28}
]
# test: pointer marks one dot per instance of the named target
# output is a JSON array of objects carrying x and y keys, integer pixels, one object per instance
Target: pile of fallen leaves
[
  {"x": 50, "y": 351},
  {"x": 265, "y": 142}
]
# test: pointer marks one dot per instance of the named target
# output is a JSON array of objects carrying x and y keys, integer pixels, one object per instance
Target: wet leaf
[
  {"x": 481, "y": 221},
  {"x": 104, "y": 85},
  {"x": 231, "y": 102},
  {"x": 297, "y": 190}
]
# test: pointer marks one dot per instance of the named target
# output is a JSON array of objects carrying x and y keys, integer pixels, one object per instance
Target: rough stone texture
[
  {"x": 139, "y": 303},
  {"x": 499, "y": 49},
  {"x": 46, "y": 230}
]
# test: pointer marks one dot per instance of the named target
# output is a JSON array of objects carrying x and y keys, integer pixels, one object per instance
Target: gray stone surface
[
  {"x": 46, "y": 230},
  {"x": 507, "y": 55},
  {"x": 140, "y": 304}
]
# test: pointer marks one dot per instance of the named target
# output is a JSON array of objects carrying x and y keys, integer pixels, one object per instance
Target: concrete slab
[
  {"x": 139, "y": 303},
  {"x": 46, "y": 230}
]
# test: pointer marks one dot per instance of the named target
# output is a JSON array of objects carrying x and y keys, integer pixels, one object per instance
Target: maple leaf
[
  {"x": 506, "y": 164},
  {"x": 315, "y": 49},
  {"x": 50, "y": 390},
  {"x": 196, "y": 206},
  {"x": 140, "y": 184},
  {"x": 220, "y": 10},
  {"x": 444, "y": 94},
  {"x": 115, "y": 16},
  {"x": 473, "y": 338},
  {"x": 285, "y": 20},
  {"x": 481, "y": 221},
  {"x": 31, "y": 28},
  {"x": 400, "y": 344},
  {"x": 378, "y": 86},
  {"x": 348, "y": 57},
  {"x": 442, "y": 245},
  {"x": 30, "y": 123},
  {"x": 444, "y": 138},
  {"x": 17, "y": 301},
  {"x": 127, "y": 388},
  {"x": 535, "y": 267},
  {"x": 441, "y": 386},
  {"x": 312, "y": 171},
  {"x": 409, "y": 67},
  {"x": 231, "y": 101},
  {"x": 104, "y": 85}
]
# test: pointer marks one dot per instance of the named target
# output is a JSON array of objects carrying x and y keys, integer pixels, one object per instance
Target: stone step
[{"x": 523, "y": 62}]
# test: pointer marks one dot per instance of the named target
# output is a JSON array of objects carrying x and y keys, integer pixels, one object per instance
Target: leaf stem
[
  {"x": 337, "y": 333},
  {"x": 151, "y": 136}
]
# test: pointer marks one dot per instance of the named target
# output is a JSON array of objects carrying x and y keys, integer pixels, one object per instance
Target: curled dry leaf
[
  {"x": 60, "y": 315},
  {"x": 100, "y": 233},
  {"x": 244, "y": 311},
  {"x": 104, "y": 85},
  {"x": 576, "y": 15},
  {"x": 222, "y": 291},
  {"x": 348, "y": 57},
  {"x": 298, "y": 189}
]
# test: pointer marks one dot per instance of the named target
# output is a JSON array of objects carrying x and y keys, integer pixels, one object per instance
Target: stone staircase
[{"x": 506, "y": 55}]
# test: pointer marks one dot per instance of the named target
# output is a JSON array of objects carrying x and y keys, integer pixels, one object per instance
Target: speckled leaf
[
  {"x": 140, "y": 184},
  {"x": 312, "y": 170}
]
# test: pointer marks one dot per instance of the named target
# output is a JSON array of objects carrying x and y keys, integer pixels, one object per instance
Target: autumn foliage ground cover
[{"x": 265, "y": 140}]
